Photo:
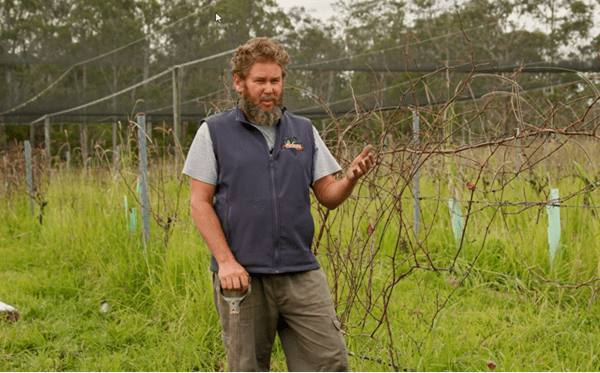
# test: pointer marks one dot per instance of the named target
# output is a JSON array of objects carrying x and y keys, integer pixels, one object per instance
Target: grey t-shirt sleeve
[
  {"x": 324, "y": 163},
  {"x": 201, "y": 163}
]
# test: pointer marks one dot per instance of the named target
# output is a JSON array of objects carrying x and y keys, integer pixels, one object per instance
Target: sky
[
  {"x": 319, "y": 8},
  {"x": 323, "y": 10}
]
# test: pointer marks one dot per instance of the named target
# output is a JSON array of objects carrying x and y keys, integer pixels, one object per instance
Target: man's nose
[{"x": 268, "y": 89}]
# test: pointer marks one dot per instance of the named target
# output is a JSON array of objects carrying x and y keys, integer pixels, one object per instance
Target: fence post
[
  {"x": 416, "y": 187},
  {"x": 35, "y": 166},
  {"x": 32, "y": 135},
  {"x": 2, "y": 133},
  {"x": 29, "y": 178},
  {"x": 114, "y": 142},
  {"x": 144, "y": 179},
  {"x": 176, "y": 107},
  {"x": 83, "y": 135},
  {"x": 117, "y": 156},
  {"x": 518, "y": 149},
  {"x": 47, "y": 140},
  {"x": 68, "y": 161}
]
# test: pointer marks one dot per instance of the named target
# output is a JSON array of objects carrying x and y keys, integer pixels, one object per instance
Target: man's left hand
[{"x": 361, "y": 164}]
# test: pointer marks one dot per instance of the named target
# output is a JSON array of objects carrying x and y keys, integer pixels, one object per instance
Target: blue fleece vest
[{"x": 262, "y": 198}]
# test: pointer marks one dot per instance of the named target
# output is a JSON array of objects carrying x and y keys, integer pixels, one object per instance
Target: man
[{"x": 251, "y": 169}]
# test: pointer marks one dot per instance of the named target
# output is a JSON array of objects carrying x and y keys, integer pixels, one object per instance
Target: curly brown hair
[{"x": 258, "y": 50}]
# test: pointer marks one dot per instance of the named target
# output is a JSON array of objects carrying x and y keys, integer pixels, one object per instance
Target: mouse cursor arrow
[{"x": 218, "y": 17}]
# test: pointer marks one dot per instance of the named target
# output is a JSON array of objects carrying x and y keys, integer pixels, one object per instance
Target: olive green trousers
[{"x": 297, "y": 307}]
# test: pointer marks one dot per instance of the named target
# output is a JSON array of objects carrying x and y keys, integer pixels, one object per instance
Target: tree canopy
[{"x": 88, "y": 49}]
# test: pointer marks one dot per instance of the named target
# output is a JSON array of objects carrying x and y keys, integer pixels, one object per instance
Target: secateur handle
[{"x": 234, "y": 298}]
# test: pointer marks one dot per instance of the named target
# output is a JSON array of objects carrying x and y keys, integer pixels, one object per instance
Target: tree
[
  {"x": 568, "y": 21},
  {"x": 311, "y": 42},
  {"x": 30, "y": 31}
]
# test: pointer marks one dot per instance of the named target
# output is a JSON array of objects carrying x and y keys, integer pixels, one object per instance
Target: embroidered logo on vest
[{"x": 292, "y": 144}]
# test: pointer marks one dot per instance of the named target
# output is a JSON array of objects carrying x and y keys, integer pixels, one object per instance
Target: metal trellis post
[
  {"x": 176, "y": 106},
  {"x": 29, "y": 178},
  {"x": 47, "y": 140},
  {"x": 416, "y": 189},
  {"x": 114, "y": 142},
  {"x": 144, "y": 179},
  {"x": 117, "y": 156},
  {"x": 518, "y": 130}
]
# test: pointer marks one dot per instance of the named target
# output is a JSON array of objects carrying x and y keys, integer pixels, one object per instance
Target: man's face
[{"x": 261, "y": 93}]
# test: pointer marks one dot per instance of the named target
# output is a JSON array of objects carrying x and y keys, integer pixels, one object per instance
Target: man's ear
[{"x": 238, "y": 83}]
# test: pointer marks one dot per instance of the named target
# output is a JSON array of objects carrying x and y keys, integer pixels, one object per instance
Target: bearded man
[{"x": 251, "y": 169}]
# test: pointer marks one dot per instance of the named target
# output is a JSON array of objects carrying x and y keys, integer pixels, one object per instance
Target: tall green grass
[
  {"x": 492, "y": 308},
  {"x": 58, "y": 273}
]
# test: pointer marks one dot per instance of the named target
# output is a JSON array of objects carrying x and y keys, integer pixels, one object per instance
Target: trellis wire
[{"x": 491, "y": 203}]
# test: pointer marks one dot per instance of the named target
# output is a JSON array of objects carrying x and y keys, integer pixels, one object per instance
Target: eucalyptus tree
[
  {"x": 567, "y": 22},
  {"x": 374, "y": 35},
  {"x": 198, "y": 35},
  {"x": 101, "y": 28},
  {"x": 313, "y": 44},
  {"x": 30, "y": 32}
]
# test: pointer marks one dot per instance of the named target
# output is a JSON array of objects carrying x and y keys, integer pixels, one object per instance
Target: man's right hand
[{"x": 233, "y": 276}]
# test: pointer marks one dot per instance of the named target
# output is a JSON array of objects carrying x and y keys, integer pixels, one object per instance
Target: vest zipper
[{"x": 275, "y": 213}]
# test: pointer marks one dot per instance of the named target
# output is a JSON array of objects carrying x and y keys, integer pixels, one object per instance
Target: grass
[{"x": 162, "y": 316}]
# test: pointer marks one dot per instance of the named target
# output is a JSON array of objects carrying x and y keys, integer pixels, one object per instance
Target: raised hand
[{"x": 361, "y": 164}]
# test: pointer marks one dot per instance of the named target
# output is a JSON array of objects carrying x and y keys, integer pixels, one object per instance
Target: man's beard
[{"x": 256, "y": 113}]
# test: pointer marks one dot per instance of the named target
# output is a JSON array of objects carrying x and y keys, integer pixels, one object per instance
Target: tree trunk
[
  {"x": 184, "y": 130},
  {"x": 9, "y": 85},
  {"x": 330, "y": 90},
  {"x": 149, "y": 129},
  {"x": 146, "y": 72},
  {"x": 2, "y": 134},
  {"x": 32, "y": 135},
  {"x": 83, "y": 139}
]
